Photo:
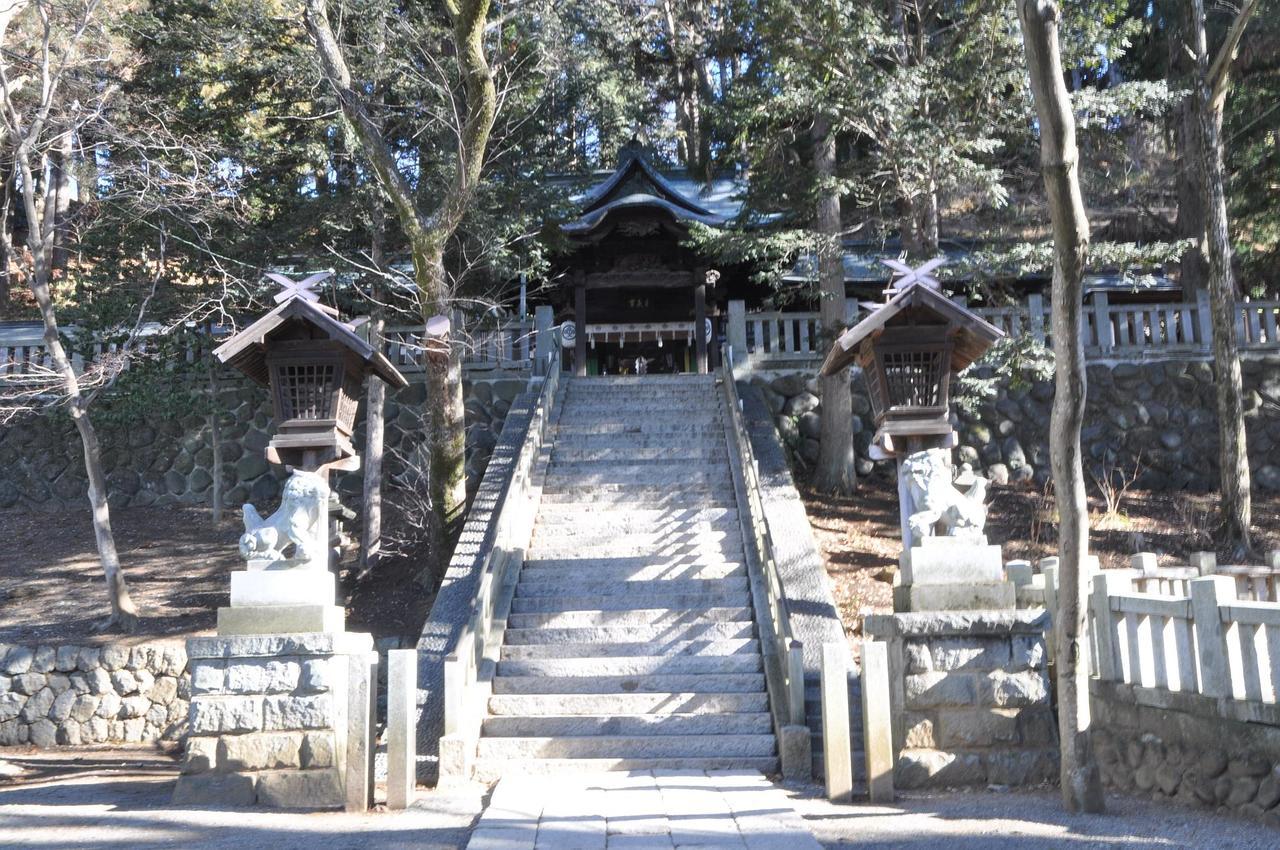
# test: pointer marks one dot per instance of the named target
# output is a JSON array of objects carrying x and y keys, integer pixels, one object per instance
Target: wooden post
[
  {"x": 1103, "y": 627},
  {"x": 402, "y": 692},
  {"x": 1207, "y": 594},
  {"x": 1035, "y": 316},
  {"x": 1102, "y": 322},
  {"x": 1206, "y": 563},
  {"x": 738, "y": 333},
  {"x": 795, "y": 683},
  {"x": 700, "y": 325},
  {"x": 877, "y": 722},
  {"x": 1204, "y": 316},
  {"x": 544, "y": 342},
  {"x": 837, "y": 753},
  {"x": 580, "y": 320},
  {"x": 362, "y": 714}
]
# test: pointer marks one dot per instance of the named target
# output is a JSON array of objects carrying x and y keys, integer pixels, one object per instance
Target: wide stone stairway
[{"x": 631, "y": 642}]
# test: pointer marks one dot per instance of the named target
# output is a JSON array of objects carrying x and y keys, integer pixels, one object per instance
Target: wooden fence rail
[{"x": 1202, "y": 628}]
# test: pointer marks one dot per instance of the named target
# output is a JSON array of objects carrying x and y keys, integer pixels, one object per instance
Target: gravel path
[
  {"x": 983, "y": 820},
  {"x": 119, "y": 800},
  {"x": 100, "y": 802}
]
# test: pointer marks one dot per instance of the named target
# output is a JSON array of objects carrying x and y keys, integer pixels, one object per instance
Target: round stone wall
[
  {"x": 170, "y": 459},
  {"x": 1157, "y": 417}
]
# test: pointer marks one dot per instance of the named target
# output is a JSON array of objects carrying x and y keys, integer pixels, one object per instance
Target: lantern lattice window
[
  {"x": 913, "y": 378},
  {"x": 306, "y": 390}
]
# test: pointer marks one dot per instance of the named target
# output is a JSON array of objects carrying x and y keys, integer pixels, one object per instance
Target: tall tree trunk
[
  {"x": 1233, "y": 456},
  {"x": 1059, "y": 161},
  {"x": 6, "y": 232},
  {"x": 61, "y": 175},
  {"x": 215, "y": 438},
  {"x": 1193, "y": 268},
  {"x": 836, "y": 470},
  {"x": 428, "y": 233},
  {"x": 375, "y": 406},
  {"x": 124, "y": 614}
]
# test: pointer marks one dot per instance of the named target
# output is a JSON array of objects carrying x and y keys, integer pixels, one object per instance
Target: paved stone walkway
[{"x": 641, "y": 810}]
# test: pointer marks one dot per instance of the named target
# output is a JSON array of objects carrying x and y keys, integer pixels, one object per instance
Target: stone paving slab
[{"x": 641, "y": 810}]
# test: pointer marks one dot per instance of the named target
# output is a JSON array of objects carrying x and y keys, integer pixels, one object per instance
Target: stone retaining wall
[
  {"x": 170, "y": 459},
  {"x": 1189, "y": 749},
  {"x": 1160, "y": 415},
  {"x": 114, "y": 694},
  {"x": 971, "y": 699}
]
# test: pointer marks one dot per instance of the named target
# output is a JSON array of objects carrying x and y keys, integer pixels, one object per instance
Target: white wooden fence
[
  {"x": 1203, "y": 628},
  {"x": 1110, "y": 331}
]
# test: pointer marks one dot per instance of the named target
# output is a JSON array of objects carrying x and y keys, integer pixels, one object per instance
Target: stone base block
[
  {"x": 280, "y": 619},
  {"x": 999, "y": 596},
  {"x": 282, "y": 587},
  {"x": 944, "y": 560},
  {"x": 281, "y": 789}
]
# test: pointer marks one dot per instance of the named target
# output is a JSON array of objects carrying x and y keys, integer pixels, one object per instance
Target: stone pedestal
[
  {"x": 952, "y": 574},
  {"x": 269, "y": 719},
  {"x": 970, "y": 697}
]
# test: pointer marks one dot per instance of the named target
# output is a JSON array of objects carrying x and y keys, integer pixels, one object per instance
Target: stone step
[
  {"x": 673, "y": 425},
  {"x": 627, "y": 461},
  {"x": 582, "y": 577},
  {"x": 734, "y": 683},
  {"x": 491, "y": 770},
  {"x": 712, "y": 454},
  {"x": 717, "y": 550},
  {"x": 715, "y": 630},
  {"x": 668, "y": 649},
  {"x": 753, "y": 723},
  {"x": 632, "y": 665},
  {"x": 646, "y": 596},
  {"x": 646, "y": 496},
  {"x": 618, "y": 746},
  {"x": 639, "y": 380},
  {"x": 665, "y": 617},
  {"x": 723, "y": 534},
  {"x": 637, "y": 475},
  {"x": 591, "y": 514},
  {"x": 686, "y": 702},
  {"x": 535, "y": 588},
  {"x": 672, "y": 442}
]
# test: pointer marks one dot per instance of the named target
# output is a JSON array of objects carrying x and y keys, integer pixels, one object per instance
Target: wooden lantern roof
[
  {"x": 247, "y": 350},
  {"x": 917, "y": 304}
]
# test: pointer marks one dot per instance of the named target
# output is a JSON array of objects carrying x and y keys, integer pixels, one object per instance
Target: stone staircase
[{"x": 631, "y": 642}]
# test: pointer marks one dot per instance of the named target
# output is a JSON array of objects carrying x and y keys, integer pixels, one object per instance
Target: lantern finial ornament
[
  {"x": 290, "y": 288},
  {"x": 920, "y": 274}
]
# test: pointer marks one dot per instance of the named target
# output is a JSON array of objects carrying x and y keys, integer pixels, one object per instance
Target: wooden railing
[
  {"x": 508, "y": 345},
  {"x": 1201, "y": 628},
  {"x": 469, "y": 668},
  {"x": 1111, "y": 331},
  {"x": 783, "y": 653}
]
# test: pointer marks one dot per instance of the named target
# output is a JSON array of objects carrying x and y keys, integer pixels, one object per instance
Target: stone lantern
[
  {"x": 314, "y": 366},
  {"x": 283, "y": 702},
  {"x": 910, "y": 348}
]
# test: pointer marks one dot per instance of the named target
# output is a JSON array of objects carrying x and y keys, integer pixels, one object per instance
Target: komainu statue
[
  {"x": 938, "y": 507},
  {"x": 296, "y": 536}
]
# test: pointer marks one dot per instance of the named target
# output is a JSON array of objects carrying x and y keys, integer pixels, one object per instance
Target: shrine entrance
[{"x": 654, "y": 348}]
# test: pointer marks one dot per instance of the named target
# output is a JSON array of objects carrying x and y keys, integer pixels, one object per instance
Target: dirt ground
[
  {"x": 859, "y": 539},
  {"x": 176, "y": 560}
]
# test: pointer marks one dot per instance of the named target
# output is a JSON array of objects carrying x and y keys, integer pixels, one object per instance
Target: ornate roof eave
[
  {"x": 246, "y": 350},
  {"x": 974, "y": 334},
  {"x": 635, "y": 161},
  {"x": 595, "y": 219}
]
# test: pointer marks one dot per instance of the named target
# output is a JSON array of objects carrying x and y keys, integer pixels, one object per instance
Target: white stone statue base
[{"x": 951, "y": 574}]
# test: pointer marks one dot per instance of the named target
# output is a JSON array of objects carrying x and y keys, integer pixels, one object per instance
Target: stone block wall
[
  {"x": 971, "y": 698},
  {"x": 170, "y": 459},
  {"x": 72, "y": 695},
  {"x": 1189, "y": 749},
  {"x": 1160, "y": 415},
  {"x": 268, "y": 720}
]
